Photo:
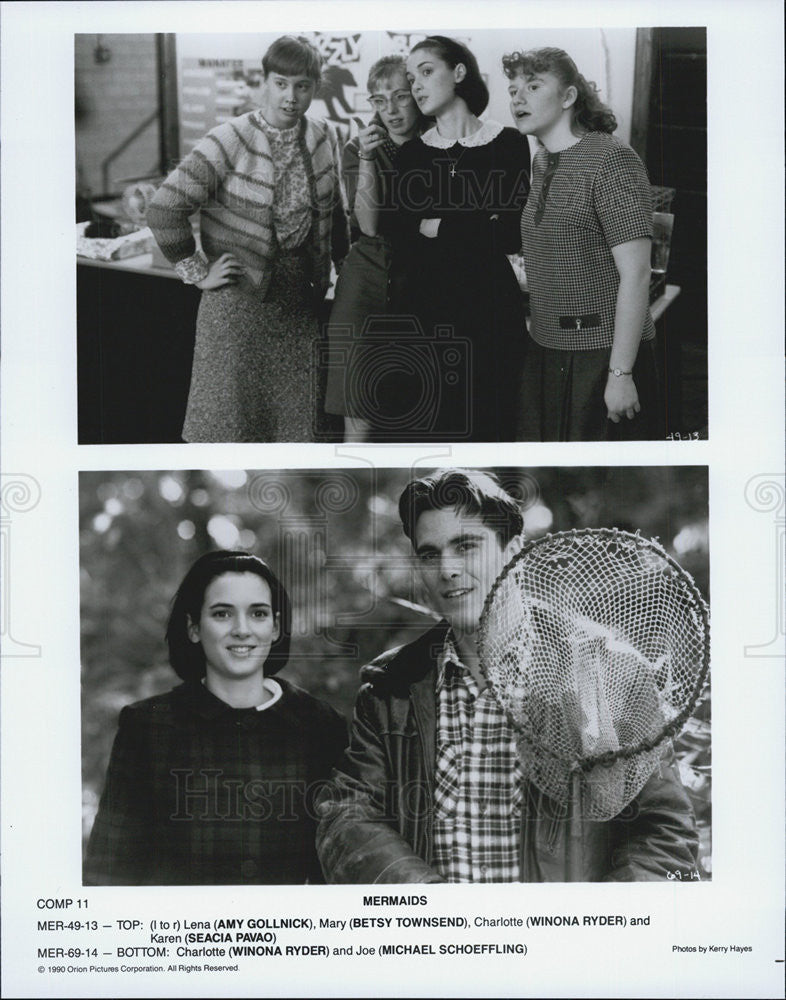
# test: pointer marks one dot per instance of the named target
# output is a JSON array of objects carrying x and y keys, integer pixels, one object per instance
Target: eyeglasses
[{"x": 398, "y": 100}]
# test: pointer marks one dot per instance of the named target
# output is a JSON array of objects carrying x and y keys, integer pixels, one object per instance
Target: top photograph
[{"x": 392, "y": 236}]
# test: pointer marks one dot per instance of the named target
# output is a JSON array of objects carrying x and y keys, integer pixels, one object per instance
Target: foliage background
[{"x": 335, "y": 540}]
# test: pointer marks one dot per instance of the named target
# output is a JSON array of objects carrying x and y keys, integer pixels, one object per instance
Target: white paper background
[{"x": 40, "y": 694}]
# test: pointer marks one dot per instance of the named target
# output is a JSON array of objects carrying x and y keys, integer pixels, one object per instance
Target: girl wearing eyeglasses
[{"x": 365, "y": 286}]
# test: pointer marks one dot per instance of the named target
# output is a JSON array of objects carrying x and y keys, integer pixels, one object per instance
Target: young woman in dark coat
[{"x": 213, "y": 782}]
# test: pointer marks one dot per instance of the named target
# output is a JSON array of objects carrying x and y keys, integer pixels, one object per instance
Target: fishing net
[{"x": 596, "y": 644}]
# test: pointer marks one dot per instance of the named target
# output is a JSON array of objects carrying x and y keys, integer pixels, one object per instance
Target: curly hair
[
  {"x": 472, "y": 89},
  {"x": 589, "y": 112}
]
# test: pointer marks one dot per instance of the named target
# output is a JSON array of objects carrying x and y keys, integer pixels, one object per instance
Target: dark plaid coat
[{"x": 199, "y": 792}]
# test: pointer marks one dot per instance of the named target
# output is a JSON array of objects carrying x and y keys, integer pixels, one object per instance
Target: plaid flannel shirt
[{"x": 477, "y": 797}]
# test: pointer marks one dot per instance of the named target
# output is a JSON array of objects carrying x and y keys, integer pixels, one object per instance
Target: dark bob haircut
[
  {"x": 589, "y": 112},
  {"x": 187, "y": 657},
  {"x": 293, "y": 55},
  {"x": 467, "y": 491},
  {"x": 472, "y": 89}
]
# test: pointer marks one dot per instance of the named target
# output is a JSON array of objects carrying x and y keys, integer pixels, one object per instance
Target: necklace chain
[{"x": 454, "y": 163}]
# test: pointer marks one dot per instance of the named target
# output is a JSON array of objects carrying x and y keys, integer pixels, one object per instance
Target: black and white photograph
[
  {"x": 393, "y": 499},
  {"x": 392, "y": 236},
  {"x": 522, "y": 664}
]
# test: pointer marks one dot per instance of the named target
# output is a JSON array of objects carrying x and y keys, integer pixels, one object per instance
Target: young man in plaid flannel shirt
[{"x": 431, "y": 789}]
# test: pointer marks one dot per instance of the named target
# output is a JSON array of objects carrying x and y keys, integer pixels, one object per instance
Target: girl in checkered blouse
[
  {"x": 212, "y": 783},
  {"x": 586, "y": 234}
]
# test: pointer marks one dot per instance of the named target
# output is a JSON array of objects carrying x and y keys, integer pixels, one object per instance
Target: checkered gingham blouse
[
  {"x": 477, "y": 797},
  {"x": 584, "y": 200}
]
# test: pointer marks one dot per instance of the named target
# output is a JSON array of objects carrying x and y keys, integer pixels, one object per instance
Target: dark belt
[{"x": 579, "y": 322}]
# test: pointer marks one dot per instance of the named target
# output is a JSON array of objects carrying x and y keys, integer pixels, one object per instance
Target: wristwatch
[{"x": 616, "y": 372}]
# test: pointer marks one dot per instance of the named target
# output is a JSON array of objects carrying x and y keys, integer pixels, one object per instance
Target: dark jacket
[
  {"x": 376, "y": 822},
  {"x": 198, "y": 792}
]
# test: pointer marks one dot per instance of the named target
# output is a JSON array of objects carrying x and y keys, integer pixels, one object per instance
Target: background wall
[
  {"x": 111, "y": 99},
  {"x": 115, "y": 94},
  {"x": 606, "y": 56}
]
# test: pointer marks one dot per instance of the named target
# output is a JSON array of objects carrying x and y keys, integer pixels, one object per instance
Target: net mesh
[{"x": 595, "y": 643}]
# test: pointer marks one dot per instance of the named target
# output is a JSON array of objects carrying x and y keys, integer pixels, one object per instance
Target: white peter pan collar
[
  {"x": 488, "y": 131},
  {"x": 272, "y": 687}
]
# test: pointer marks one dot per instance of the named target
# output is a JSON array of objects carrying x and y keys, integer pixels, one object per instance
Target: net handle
[{"x": 574, "y": 839}]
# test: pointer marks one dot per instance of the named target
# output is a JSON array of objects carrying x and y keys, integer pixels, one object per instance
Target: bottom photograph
[{"x": 407, "y": 675}]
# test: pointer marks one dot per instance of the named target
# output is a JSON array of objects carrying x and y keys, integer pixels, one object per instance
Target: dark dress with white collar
[{"x": 460, "y": 372}]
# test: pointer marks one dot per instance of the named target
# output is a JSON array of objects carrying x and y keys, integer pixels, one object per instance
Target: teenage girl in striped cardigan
[{"x": 271, "y": 215}]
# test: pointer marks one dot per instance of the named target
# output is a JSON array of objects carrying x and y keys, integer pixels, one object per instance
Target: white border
[{"x": 40, "y": 696}]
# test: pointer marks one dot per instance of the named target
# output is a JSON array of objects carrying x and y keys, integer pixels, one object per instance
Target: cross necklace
[{"x": 454, "y": 163}]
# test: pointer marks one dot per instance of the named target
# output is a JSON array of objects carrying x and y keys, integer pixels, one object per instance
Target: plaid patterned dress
[{"x": 198, "y": 792}]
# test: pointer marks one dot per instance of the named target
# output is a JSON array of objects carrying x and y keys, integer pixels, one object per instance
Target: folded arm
[{"x": 494, "y": 203}]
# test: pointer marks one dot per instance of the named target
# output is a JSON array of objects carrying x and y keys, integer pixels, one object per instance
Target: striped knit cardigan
[{"x": 228, "y": 176}]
